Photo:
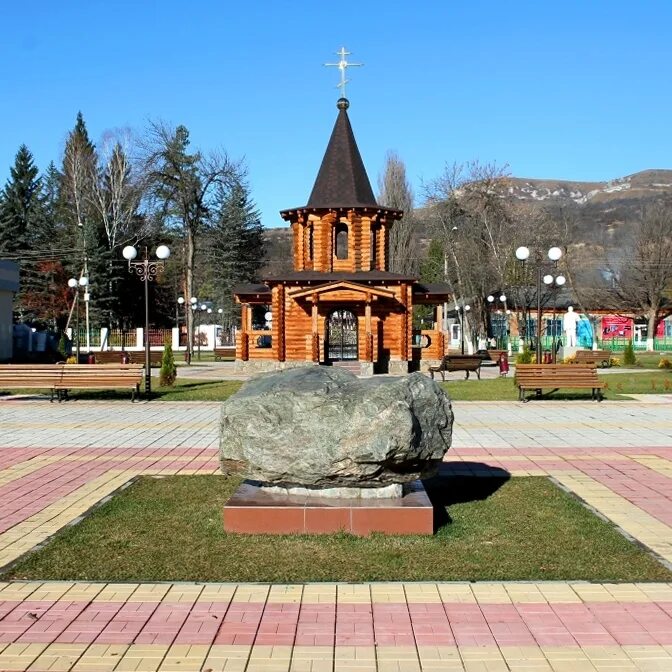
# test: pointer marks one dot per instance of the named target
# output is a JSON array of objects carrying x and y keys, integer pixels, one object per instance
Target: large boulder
[{"x": 322, "y": 427}]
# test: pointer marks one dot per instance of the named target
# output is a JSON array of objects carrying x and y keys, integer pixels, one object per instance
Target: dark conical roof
[{"x": 342, "y": 180}]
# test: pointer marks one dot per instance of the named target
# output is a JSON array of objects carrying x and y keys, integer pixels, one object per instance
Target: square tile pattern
[{"x": 57, "y": 461}]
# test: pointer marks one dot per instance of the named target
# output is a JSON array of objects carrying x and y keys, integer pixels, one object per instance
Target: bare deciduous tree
[
  {"x": 395, "y": 192},
  {"x": 642, "y": 275},
  {"x": 480, "y": 230}
]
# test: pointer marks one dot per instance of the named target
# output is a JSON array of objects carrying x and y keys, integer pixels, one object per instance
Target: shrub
[
  {"x": 71, "y": 360},
  {"x": 569, "y": 360},
  {"x": 524, "y": 357},
  {"x": 614, "y": 361},
  {"x": 629, "y": 358},
  {"x": 665, "y": 363},
  {"x": 63, "y": 346},
  {"x": 168, "y": 371}
]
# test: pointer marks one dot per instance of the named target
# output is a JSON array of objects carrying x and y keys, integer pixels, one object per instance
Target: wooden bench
[
  {"x": 594, "y": 357},
  {"x": 59, "y": 378},
  {"x": 466, "y": 363},
  {"x": 99, "y": 377},
  {"x": 135, "y": 357},
  {"x": 553, "y": 377},
  {"x": 226, "y": 351},
  {"x": 30, "y": 376}
]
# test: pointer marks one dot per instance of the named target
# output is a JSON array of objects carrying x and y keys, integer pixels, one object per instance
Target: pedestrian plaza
[{"x": 59, "y": 460}]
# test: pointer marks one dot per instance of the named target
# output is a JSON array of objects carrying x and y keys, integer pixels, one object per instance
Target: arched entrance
[{"x": 342, "y": 340}]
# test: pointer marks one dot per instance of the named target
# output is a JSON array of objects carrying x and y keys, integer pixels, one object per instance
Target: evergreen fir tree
[
  {"x": 236, "y": 245},
  {"x": 21, "y": 208}
]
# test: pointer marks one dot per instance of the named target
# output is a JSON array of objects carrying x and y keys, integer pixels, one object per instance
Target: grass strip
[{"x": 495, "y": 529}]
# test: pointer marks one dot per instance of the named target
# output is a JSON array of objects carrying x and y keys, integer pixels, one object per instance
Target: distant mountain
[
  {"x": 642, "y": 186},
  {"x": 602, "y": 210}
]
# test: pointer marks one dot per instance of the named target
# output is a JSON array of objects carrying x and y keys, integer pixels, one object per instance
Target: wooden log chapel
[{"x": 341, "y": 305}]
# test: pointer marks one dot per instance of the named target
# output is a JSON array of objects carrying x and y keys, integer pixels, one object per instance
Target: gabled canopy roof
[{"x": 338, "y": 285}]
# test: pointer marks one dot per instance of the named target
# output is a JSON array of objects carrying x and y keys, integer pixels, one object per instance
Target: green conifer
[{"x": 168, "y": 371}]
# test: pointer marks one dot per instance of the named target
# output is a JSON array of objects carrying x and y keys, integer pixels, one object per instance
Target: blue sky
[{"x": 575, "y": 90}]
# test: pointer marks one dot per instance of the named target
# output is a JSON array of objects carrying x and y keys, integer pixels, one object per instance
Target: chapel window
[{"x": 341, "y": 241}]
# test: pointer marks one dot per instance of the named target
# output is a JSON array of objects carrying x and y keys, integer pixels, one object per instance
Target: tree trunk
[
  {"x": 652, "y": 325},
  {"x": 189, "y": 288}
]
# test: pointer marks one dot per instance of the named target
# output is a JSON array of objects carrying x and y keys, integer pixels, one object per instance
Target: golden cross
[{"x": 342, "y": 65}]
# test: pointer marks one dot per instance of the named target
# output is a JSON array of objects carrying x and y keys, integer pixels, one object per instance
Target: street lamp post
[
  {"x": 554, "y": 282},
  {"x": 75, "y": 285},
  {"x": 502, "y": 297},
  {"x": 147, "y": 271},
  {"x": 461, "y": 311},
  {"x": 220, "y": 325},
  {"x": 554, "y": 254}
]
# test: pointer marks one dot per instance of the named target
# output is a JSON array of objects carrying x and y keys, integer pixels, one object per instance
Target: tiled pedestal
[{"x": 252, "y": 510}]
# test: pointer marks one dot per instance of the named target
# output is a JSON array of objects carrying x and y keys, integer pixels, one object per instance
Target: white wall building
[{"x": 9, "y": 284}]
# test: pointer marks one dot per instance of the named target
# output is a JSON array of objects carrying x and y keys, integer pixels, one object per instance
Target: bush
[
  {"x": 629, "y": 358},
  {"x": 665, "y": 363},
  {"x": 71, "y": 360},
  {"x": 168, "y": 371},
  {"x": 524, "y": 357},
  {"x": 63, "y": 346},
  {"x": 569, "y": 360},
  {"x": 614, "y": 361}
]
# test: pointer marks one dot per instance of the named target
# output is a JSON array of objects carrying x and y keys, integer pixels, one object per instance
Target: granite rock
[{"x": 322, "y": 427}]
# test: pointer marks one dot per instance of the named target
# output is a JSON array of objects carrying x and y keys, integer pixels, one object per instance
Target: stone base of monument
[{"x": 255, "y": 510}]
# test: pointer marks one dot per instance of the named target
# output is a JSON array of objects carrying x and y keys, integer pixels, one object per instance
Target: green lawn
[
  {"x": 493, "y": 389},
  {"x": 504, "y": 389},
  {"x": 490, "y": 529}
]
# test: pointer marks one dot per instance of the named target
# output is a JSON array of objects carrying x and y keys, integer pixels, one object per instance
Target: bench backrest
[
  {"x": 592, "y": 355},
  {"x": 109, "y": 374},
  {"x": 471, "y": 361},
  {"x": 562, "y": 373},
  {"x": 29, "y": 375},
  {"x": 134, "y": 356}
]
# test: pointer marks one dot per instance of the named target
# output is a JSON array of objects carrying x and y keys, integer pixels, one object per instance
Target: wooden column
[
  {"x": 368, "y": 354},
  {"x": 382, "y": 249},
  {"x": 438, "y": 324},
  {"x": 278, "y": 308},
  {"x": 403, "y": 347},
  {"x": 245, "y": 327},
  {"x": 315, "y": 335}
]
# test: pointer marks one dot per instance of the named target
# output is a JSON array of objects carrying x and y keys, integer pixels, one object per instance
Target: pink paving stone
[
  {"x": 127, "y": 623},
  {"x": 53, "y": 622},
  {"x": 203, "y": 623},
  {"x": 21, "y": 618},
  {"x": 90, "y": 623}
]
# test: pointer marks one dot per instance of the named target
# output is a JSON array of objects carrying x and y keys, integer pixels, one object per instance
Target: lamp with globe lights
[
  {"x": 76, "y": 285},
  {"x": 147, "y": 270},
  {"x": 542, "y": 267}
]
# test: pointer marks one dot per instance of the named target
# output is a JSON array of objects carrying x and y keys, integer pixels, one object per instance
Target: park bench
[
  {"x": 59, "y": 378},
  {"x": 553, "y": 377},
  {"x": 495, "y": 355},
  {"x": 595, "y": 357},
  {"x": 98, "y": 377},
  {"x": 466, "y": 363},
  {"x": 226, "y": 351},
  {"x": 135, "y": 357},
  {"x": 30, "y": 376}
]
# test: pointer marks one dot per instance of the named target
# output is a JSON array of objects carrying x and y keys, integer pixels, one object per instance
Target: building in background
[{"x": 9, "y": 285}]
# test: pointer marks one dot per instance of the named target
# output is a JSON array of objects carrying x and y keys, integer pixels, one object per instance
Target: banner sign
[{"x": 615, "y": 326}]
